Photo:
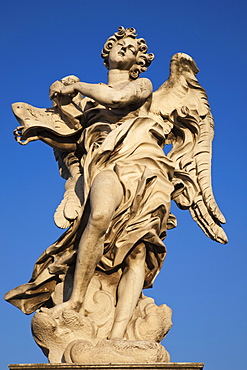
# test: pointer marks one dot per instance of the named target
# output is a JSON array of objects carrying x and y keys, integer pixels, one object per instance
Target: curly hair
[{"x": 143, "y": 59}]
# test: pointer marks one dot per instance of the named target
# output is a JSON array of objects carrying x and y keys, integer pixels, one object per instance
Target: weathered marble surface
[
  {"x": 108, "y": 140},
  {"x": 79, "y": 337},
  {"x": 156, "y": 366}
]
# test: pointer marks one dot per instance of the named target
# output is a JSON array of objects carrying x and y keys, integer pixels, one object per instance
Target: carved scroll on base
[{"x": 80, "y": 337}]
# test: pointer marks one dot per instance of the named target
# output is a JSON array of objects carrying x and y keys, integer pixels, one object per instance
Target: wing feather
[
  {"x": 70, "y": 168},
  {"x": 182, "y": 101}
]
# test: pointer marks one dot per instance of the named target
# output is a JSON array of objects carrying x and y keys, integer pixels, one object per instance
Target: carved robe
[{"x": 132, "y": 146}]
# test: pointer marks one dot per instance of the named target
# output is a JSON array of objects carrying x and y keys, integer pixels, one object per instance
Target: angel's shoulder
[{"x": 144, "y": 83}]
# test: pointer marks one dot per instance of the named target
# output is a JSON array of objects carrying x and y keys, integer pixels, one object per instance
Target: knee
[{"x": 100, "y": 219}]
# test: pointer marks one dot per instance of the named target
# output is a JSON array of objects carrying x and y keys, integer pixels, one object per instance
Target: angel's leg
[
  {"x": 129, "y": 290},
  {"x": 105, "y": 196}
]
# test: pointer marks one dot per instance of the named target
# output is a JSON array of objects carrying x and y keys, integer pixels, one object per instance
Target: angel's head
[{"x": 124, "y": 50}]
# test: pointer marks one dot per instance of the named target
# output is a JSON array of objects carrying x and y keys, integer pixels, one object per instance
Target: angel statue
[{"x": 109, "y": 143}]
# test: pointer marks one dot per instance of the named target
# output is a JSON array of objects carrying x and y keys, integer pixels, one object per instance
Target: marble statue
[{"x": 108, "y": 141}]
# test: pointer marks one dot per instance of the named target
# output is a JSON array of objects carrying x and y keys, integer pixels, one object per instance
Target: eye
[{"x": 132, "y": 49}]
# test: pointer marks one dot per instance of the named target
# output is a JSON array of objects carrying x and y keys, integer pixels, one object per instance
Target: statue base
[
  {"x": 154, "y": 366},
  {"x": 67, "y": 336}
]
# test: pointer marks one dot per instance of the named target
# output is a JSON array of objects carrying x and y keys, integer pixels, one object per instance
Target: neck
[{"x": 116, "y": 76}]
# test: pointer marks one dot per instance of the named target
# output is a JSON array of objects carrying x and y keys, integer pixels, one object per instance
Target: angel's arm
[{"x": 135, "y": 91}]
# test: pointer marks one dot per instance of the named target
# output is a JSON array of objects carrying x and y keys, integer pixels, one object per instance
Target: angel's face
[{"x": 123, "y": 54}]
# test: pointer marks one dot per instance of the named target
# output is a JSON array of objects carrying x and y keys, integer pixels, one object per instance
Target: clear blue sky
[{"x": 202, "y": 281}]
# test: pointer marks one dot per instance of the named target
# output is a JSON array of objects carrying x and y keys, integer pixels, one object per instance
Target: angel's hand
[
  {"x": 60, "y": 89},
  {"x": 55, "y": 89},
  {"x": 66, "y": 90}
]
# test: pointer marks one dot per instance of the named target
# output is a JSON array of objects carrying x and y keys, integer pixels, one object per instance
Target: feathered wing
[
  {"x": 182, "y": 102},
  {"x": 64, "y": 119},
  {"x": 70, "y": 169}
]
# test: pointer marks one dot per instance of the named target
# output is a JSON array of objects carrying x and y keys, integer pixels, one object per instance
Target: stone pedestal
[{"x": 154, "y": 366}]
